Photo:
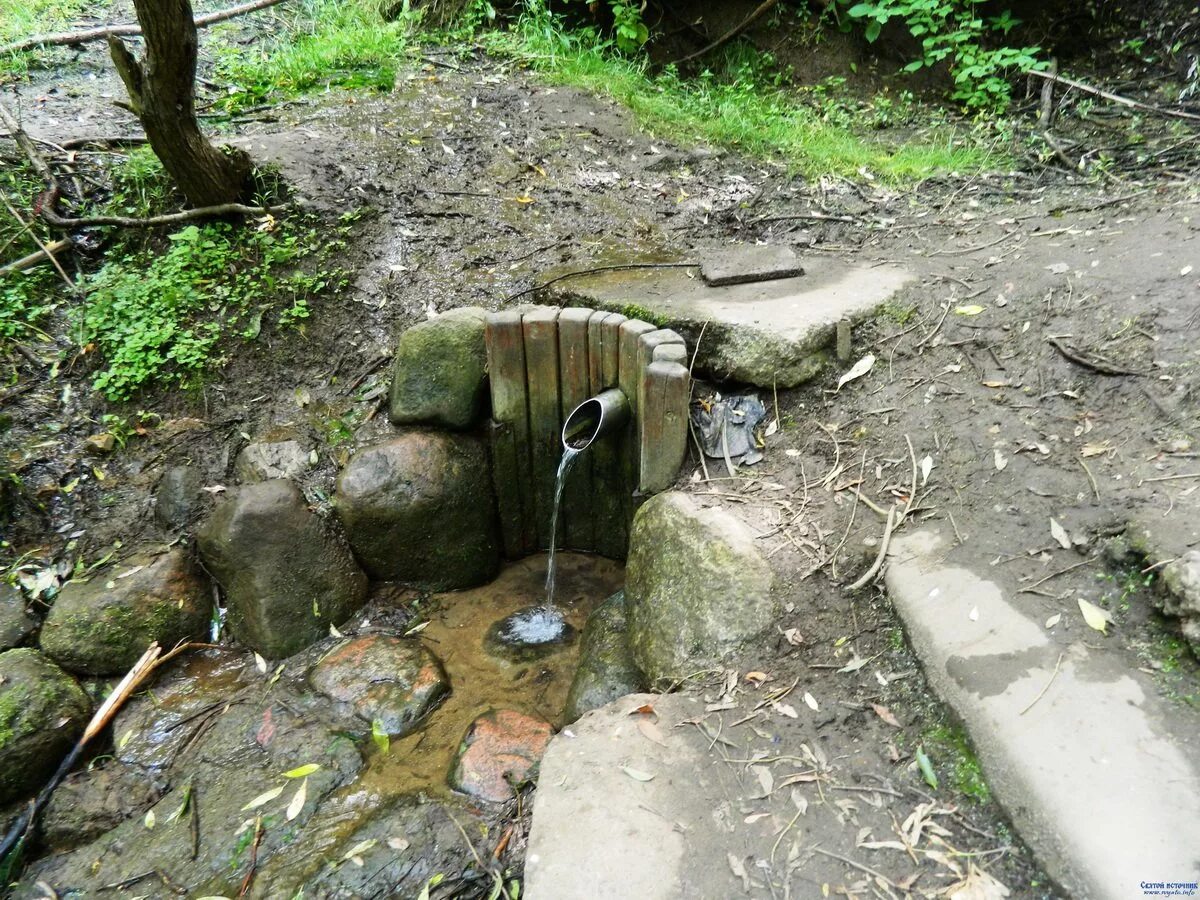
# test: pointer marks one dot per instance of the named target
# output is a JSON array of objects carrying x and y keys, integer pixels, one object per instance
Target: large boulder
[
  {"x": 102, "y": 626},
  {"x": 384, "y": 679},
  {"x": 42, "y": 713},
  {"x": 420, "y": 508},
  {"x": 286, "y": 573},
  {"x": 16, "y": 624},
  {"x": 606, "y": 667},
  {"x": 696, "y": 587},
  {"x": 440, "y": 371}
]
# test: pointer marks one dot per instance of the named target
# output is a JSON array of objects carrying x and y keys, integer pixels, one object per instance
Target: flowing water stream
[{"x": 564, "y": 466}]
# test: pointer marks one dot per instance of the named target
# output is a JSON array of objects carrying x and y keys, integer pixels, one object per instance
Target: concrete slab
[
  {"x": 748, "y": 263},
  {"x": 1100, "y": 775},
  {"x": 769, "y": 333},
  {"x": 601, "y": 831}
]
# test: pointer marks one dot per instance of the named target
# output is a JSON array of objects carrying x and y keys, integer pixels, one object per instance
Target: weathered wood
[
  {"x": 629, "y": 379},
  {"x": 575, "y": 514},
  {"x": 664, "y": 396},
  {"x": 512, "y": 466},
  {"x": 648, "y": 342},
  {"x": 675, "y": 353},
  {"x": 608, "y": 478},
  {"x": 545, "y": 415}
]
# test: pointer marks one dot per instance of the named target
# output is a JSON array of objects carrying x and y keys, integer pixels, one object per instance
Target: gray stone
[
  {"x": 89, "y": 803},
  {"x": 748, "y": 263},
  {"x": 16, "y": 624},
  {"x": 696, "y": 587},
  {"x": 102, "y": 626},
  {"x": 177, "y": 496},
  {"x": 529, "y": 634},
  {"x": 420, "y": 508},
  {"x": 286, "y": 573},
  {"x": 773, "y": 334},
  {"x": 384, "y": 679},
  {"x": 606, "y": 667},
  {"x": 1181, "y": 581},
  {"x": 279, "y": 453},
  {"x": 42, "y": 713},
  {"x": 1096, "y": 769},
  {"x": 599, "y": 833},
  {"x": 440, "y": 371}
]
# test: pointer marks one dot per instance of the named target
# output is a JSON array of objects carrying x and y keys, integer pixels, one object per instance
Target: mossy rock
[
  {"x": 606, "y": 667},
  {"x": 440, "y": 371},
  {"x": 42, "y": 713},
  {"x": 420, "y": 508},
  {"x": 696, "y": 587},
  {"x": 103, "y": 626},
  {"x": 16, "y": 624},
  {"x": 287, "y": 574}
]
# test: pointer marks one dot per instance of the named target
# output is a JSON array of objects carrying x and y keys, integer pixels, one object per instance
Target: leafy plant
[
  {"x": 629, "y": 30},
  {"x": 954, "y": 32}
]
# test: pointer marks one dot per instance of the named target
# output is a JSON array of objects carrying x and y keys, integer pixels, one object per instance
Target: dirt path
[{"x": 476, "y": 182}]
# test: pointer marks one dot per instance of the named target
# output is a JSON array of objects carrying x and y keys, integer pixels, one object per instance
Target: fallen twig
[
  {"x": 28, "y": 262},
  {"x": 866, "y": 576},
  {"x": 936, "y": 328},
  {"x": 762, "y": 9},
  {"x": 1115, "y": 98},
  {"x": 1096, "y": 365},
  {"x": 1046, "y": 687},
  {"x": 1091, "y": 479},
  {"x": 250, "y": 873},
  {"x": 74, "y": 38},
  {"x": 1053, "y": 575}
]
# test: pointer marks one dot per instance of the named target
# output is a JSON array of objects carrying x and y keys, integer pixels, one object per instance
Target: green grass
[
  {"x": 744, "y": 109},
  {"x": 25, "y": 18},
  {"x": 344, "y": 43}
]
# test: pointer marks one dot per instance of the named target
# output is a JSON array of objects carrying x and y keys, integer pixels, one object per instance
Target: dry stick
[
  {"x": 912, "y": 492},
  {"x": 762, "y": 9},
  {"x": 1091, "y": 479},
  {"x": 1169, "y": 477},
  {"x": 1053, "y": 575},
  {"x": 1042, "y": 692},
  {"x": 258, "y": 836},
  {"x": 883, "y": 549},
  {"x": 71, "y": 286},
  {"x": 936, "y": 328},
  {"x": 74, "y": 38},
  {"x": 1046, "y": 118},
  {"x": 1115, "y": 98},
  {"x": 1095, "y": 365},
  {"x": 961, "y": 250},
  {"x": 625, "y": 266},
  {"x": 28, "y": 262},
  {"x": 859, "y": 866}
]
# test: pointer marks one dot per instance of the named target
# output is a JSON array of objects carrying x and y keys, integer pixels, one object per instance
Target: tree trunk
[{"x": 162, "y": 93}]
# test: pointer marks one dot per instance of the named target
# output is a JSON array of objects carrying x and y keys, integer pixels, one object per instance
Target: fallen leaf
[
  {"x": 1053, "y": 620},
  {"x": 997, "y": 384},
  {"x": 644, "y": 710},
  {"x": 1058, "y": 268},
  {"x": 793, "y": 637},
  {"x": 811, "y": 701},
  {"x": 757, "y": 678},
  {"x": 739, "y": 871},
  {"x": 855, "y": 664},
  {"x": 637, "y": 774},
  {"x": 1060, "y": 535},
  {"x": 398, "y": 844},
  {"x": 766, "y": 781},
  {"x": 858, "y": 370},
  {"x": 926, "y": 768},
  {"x": 1095, "y": 449},
  {"x": 886, "y": 714},
  {"x": 260, "y": 663},
  {"x": 263, "y": 798},
  {"x": 754, "y": 817},
  {"x": 1095, "y": 617},
  {"x": 650, "y": 731},
  {"x": 333, "y": 632},
  {"x": 1000, "y": 460},
  {"x": 973, "y": 615},
  {"x": 785, "y": 709},
  {"x": 926, "y": 468},
  {"x": 971, "y": 309},
  {"x": 302, "y": 771},
  {"x": 1185, "y": 271},
  {"x": 800, "y": 801},
  {"x": 359, "y": 848},
  {"x": 148, "y": 821},
  {"x": 298, "y": 799}
]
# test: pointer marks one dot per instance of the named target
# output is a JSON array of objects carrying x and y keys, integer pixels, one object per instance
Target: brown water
[{"x": 458, "y": 623}]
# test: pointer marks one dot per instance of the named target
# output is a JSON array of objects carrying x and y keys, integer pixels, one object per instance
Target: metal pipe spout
[{"x": 595, "y": 417}]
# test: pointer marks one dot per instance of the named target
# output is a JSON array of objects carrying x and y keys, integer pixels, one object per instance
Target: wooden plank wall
[{"x": 542, "y": 363}]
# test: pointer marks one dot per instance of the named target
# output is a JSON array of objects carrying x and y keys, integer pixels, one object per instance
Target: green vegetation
[
  {"x": 24, "y": 18},
  {"x": 954, "y": 33},
  {"x": 949, "y": 748}
]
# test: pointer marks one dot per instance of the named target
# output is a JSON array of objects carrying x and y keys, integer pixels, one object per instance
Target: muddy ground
[{"x": 444, "y": 168}]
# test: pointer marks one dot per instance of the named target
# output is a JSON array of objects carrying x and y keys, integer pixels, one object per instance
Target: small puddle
[{"x": 458, "y": 623}]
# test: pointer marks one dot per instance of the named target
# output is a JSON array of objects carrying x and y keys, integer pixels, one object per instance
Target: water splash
[{"x": 564, "y": 466}]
